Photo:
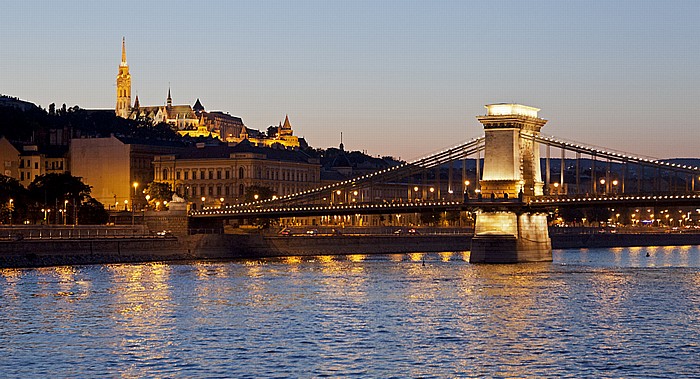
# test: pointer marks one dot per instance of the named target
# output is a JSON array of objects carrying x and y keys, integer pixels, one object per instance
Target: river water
[{"x": 590, "y": 313}]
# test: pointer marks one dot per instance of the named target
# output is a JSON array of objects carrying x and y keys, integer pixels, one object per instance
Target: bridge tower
[{"x": 505, "y": 231}]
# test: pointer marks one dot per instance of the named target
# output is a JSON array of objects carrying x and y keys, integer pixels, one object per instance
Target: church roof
[
  {"x": 286, "y": 125},
  {"x": 198, "y": 107},
  {"x": 180, "y": 112}
]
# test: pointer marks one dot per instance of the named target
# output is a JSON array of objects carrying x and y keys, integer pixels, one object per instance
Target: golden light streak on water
[
  {"x": 326, "y": 259},
  {"x": 291, "y": 260},
  {"x": 357, "y": 258},
  {"x": 416, "y": 257},
  {"x": 445, "y": 257}
]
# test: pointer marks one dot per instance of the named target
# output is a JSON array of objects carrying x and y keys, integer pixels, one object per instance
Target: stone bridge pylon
[{"x": 507, "y": 233}]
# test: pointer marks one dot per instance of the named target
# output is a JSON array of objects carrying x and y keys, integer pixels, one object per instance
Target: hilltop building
[{"x": 195, "y": 121}]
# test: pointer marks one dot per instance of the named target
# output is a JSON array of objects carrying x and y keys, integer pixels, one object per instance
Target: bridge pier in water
[
  {"x": 510, "y": 237},
  {"x": 506, "y": 232}
]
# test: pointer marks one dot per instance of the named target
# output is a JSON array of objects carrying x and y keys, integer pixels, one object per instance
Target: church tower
[{"x": 123, "y": 86}]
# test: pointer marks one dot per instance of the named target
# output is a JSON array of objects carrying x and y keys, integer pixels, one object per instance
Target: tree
[
  {"x": 92, "y": 212},
  {"x": 271, "y": 131},
  {"x": 51, "y": 189},
  {"x": 263, "y": 193},
  {"x": 14, "y": 200},
  {"x": 158, "y": 192}
]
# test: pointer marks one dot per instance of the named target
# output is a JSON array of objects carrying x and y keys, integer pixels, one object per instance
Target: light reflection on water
[{"x": 624, "y": 312}]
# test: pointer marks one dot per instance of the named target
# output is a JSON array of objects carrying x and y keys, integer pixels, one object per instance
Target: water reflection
[{"x": 596, "y": 313}]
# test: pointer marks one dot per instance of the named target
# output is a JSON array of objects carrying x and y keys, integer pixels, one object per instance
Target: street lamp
[
  {"x": 136, "y": 185},
  {"x": 11, "y": 209},
  {"x": 65, "y": 210}
]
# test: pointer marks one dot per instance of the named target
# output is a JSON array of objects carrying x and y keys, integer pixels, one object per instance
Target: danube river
[{"x": 590, "y": 313}]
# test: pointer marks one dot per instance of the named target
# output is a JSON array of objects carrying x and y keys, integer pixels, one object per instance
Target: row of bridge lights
[{"x": 210, "y": 211}]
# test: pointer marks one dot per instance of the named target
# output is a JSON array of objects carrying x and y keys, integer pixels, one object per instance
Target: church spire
[
  {"x": 123, "y": 53},
  {"x": 170, "y": 99},
  {"x": 123, "y": 108}
]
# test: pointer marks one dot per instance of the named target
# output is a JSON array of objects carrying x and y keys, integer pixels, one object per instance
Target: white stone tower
[{"x": 506, "y": 232}]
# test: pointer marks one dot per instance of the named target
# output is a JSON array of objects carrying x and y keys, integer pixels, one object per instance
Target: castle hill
[{"x": 349, "y": 189}]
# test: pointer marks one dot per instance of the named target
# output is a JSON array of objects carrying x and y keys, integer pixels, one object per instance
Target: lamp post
[
  {"x": 65, "y": 211},
  {"x": 602, "y": 184},
  {"x": 11, "y": 209},
  {"x": 136, "y": 185},
  {"x": 614, "y": 189}
]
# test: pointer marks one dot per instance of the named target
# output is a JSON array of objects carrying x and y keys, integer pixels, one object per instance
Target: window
[
  {"x": 211, "y": 191},
  {"x": 201, "y": 176},
  {"x": 228, "y": 174},
  {"x": 165, "y": 174},
  {"x": 177, "y": 174},
  {"x": 36, "y": 165},
  {"x": 227, "y": 191},
  {"x": 218, "y": 174},
  {"x": 240, "y": 190},
  {"x": 240, "y": 173},
  {"x": 211, "y": 174},
  {"x": 187, "y": 175}
]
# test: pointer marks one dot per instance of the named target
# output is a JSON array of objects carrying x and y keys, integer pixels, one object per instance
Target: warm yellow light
[
  {"x": 415, "y": 189},
  {"x": 203, "y": 198},
  {"x": 556, "y": 185},
  {"x": 432, "y": 189},
  {"x": 221, "y": 199},
  {"x": 615, "y": 182},
  {"x": 148, "y": 197},
  {"x": 511, "y": 109},
  {"x": 256, "y": 196},
  {"x": 337, "y": 192},
  {"x": 602, "y": 181},
  {"x": 354, "y": 193},
  {"x": 136, "y": 185}
]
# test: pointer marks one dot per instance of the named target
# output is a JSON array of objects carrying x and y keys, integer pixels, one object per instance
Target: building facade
[
  {"x": 222, "y": 174},
  {"x": 112, "y": 165}
]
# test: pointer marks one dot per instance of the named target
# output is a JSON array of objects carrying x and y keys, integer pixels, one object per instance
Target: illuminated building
[
  {"x": 194, "y": 121},
  {"x": 225, "y": 171}
]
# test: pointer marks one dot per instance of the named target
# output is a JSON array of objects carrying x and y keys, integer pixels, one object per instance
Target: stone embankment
[{"x": 35, "y": 252}]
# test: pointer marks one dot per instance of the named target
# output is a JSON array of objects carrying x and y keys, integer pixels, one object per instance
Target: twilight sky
[{"x": 398, "y": 78}]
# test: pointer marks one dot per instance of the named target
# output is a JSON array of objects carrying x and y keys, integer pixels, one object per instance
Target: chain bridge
[{"x": 503, "y": 177}]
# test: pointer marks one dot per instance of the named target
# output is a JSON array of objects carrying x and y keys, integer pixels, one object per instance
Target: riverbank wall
[{"x": 57, "y": 252}]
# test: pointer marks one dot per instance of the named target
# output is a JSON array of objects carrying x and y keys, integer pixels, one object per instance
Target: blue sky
[{"x": 396, "y": 77}]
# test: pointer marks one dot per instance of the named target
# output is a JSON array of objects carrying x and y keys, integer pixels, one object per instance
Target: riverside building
[{"x": 220, "y": 175}]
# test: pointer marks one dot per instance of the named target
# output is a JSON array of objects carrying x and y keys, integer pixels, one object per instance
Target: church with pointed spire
[{"x": 195, "y": 121}]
